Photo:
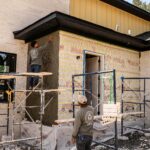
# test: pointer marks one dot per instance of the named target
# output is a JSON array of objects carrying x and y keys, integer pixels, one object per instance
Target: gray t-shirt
[
  {"x": 84, "y": 121},
  {"x": 36, "y": 54}
]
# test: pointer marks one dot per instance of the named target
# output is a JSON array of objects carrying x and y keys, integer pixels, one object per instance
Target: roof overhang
[
  {"x": 59, "y": 21},
  {"x": 144, "y": 36},
  {"x": 123, "y": 5}
]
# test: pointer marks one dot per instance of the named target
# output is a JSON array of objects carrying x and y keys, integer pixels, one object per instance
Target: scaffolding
[
  {"x": 100, "y": 79},
  {"x": 27, "y": 93},
  {"x": 10, "y": 96},
  {"x": 140, "y": 101},
  {"x": 101, "y": 75},
  {"x": 110, "y": 76}
]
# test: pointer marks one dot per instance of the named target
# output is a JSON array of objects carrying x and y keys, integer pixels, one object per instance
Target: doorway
[{"x": 93, "y": 63}]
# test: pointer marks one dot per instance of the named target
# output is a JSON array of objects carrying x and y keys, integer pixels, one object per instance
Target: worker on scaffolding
[
  {"x": 35, "y": 56},
  {"x": 83, "y": 126}
]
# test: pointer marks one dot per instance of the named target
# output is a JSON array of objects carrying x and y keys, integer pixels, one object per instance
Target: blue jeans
[
  {"x": 84, "y": 142},
  {"x": 34, "y": 80}
]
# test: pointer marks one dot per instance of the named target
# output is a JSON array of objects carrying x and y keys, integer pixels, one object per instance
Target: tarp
[{"x": 56, "y": 137}]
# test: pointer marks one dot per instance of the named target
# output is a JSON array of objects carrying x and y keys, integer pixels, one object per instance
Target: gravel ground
[{"x": 136, "y": 141}]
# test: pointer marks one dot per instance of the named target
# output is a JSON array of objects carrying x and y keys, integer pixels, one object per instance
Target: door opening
[{"x": 92, "y": 83}]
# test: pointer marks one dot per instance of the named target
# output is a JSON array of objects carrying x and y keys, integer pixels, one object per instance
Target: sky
[{"x": 147, "y": 1}]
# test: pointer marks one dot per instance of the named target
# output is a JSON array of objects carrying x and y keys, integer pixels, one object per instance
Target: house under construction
[{"x": 99, "y": 48}]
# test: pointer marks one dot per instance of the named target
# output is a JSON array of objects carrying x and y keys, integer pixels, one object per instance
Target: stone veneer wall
[
  {"x": 145, "y": 72},
  {"x": 125, "y": 61}
]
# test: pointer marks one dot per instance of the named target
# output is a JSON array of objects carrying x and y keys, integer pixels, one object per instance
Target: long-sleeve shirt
[
  {"x": 36, "y": 54},
  {"x": 84, "y": 122}
]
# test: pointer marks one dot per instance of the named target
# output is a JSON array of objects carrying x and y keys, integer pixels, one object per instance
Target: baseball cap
[{"x": 82, "y": 99}]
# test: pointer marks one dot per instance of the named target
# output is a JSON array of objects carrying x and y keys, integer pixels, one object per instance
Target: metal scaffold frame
[
  {"x": 10, "y": 94},
  {"x": 100, "y": 73},
  {"x": 15, "y": 107},
  {"x": 111, "y": 72},
  {"x": 142, "y": 103}
]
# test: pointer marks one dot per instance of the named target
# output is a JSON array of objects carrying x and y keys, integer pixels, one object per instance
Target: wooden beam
[
  {"x": 7, "y": 77},
  {"x": 40, "y": 74},
  {"x": 45, "y": 91},
  {"x": 103, "y": 117}
]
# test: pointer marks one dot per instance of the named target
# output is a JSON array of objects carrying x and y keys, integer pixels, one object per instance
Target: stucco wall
[
  {"x": 15, "y": 15},
  {"x": 126, "y": 62}
]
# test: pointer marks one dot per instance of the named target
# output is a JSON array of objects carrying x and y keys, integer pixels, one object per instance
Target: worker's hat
[{"x": 82, "y": 99}]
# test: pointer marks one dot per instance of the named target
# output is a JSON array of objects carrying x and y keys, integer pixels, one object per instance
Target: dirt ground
[{"x": 137, "y": 141}]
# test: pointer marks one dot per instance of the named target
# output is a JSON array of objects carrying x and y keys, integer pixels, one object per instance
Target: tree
[
  {"x": 137, "y": 3},
  {"x": 148, "y": 7},
  {"x": 142, "y": 5}
]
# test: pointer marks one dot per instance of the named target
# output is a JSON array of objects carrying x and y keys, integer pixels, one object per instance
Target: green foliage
[
  {"x": 142, "y": 5},
  {"x": 137, "y": 3}
]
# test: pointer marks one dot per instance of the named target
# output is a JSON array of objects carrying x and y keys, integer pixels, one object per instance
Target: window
[
  {"x": 7, "y": 62},
  {"x": 7, "y": 65}
]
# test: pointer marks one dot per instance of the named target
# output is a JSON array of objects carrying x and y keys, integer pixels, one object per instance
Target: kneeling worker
[{"x": 83, "y": 126}]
